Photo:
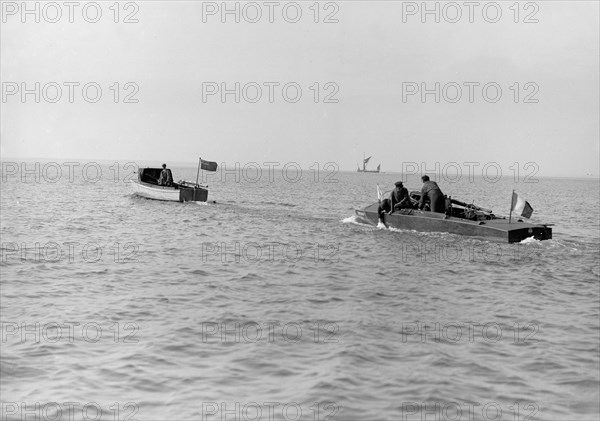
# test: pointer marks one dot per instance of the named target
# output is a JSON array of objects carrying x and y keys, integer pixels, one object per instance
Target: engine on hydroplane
[{"x": 457, "y": 209}]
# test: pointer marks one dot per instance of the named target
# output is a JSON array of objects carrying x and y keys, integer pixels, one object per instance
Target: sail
[
  {"x": 378, "y": 167},
  {"x": 366, "y": 160}
]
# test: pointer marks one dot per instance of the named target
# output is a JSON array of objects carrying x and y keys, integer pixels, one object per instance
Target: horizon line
[{"x": 194, "y": 164}]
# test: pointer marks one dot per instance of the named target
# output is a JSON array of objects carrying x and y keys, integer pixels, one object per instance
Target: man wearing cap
[
  {"x": 431, "y": 191},
  {"x": 165, "y": 178},
  {"x": 399, "y": 197}
]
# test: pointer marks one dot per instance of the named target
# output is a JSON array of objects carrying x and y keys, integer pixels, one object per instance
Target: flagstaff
[
  {"x": 198, "y": 173},
  {"x": 512, "y": 204}
]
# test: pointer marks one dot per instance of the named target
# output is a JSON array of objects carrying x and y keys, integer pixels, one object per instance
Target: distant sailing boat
[{"x": 364, "y": 168}]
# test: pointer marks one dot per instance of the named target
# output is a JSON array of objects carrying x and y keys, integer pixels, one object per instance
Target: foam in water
[
  {"x": 354, "y": 219},
  {"x": 530, "y": 240}
]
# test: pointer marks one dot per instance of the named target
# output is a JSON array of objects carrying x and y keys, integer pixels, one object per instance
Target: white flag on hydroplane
[
  {"x": 379, "y": 193},
  {"x": 520, "y": 206}
]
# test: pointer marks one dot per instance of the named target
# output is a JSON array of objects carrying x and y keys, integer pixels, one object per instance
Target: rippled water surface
[{"x": 276, "y": 300}]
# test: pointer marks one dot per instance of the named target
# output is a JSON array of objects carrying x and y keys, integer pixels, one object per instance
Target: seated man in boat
[
  {"x": 400, "y": 198},
  {"x": 432, "y": 192},
  {"x": 165, "y": 178}
]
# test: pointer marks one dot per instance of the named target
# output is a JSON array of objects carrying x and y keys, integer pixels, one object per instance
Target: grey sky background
[{"x": 368, "y": 54}]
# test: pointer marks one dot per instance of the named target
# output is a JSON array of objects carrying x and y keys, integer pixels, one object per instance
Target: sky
[{"x": 353, "y": 71}]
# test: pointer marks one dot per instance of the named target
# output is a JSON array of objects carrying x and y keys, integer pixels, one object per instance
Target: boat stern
[
  {"x": 539, "y": 232},
  {"x": 192, "y": 194}
]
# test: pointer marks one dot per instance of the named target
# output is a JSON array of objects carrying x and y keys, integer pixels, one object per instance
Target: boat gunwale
[
  {"x": 155, "y": 186},
  {"x": 169, "y": 188}
]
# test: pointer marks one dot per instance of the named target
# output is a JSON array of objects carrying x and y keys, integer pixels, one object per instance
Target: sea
[{"x": 272, "y": 301}]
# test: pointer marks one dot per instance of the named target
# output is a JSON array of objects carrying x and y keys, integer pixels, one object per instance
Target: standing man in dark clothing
[
  {"x": 399, "y": 197},
  {"x": 431, "y": 191},
  {"x": 165, "y": 178}
]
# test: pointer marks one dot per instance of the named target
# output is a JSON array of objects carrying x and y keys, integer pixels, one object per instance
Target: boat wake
[
  {"x": 207, "y": 203},
  {"x": 284, "y": 204},
  {"x": 356, "y": 220},
  {"x": 351, "y": 220}
]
